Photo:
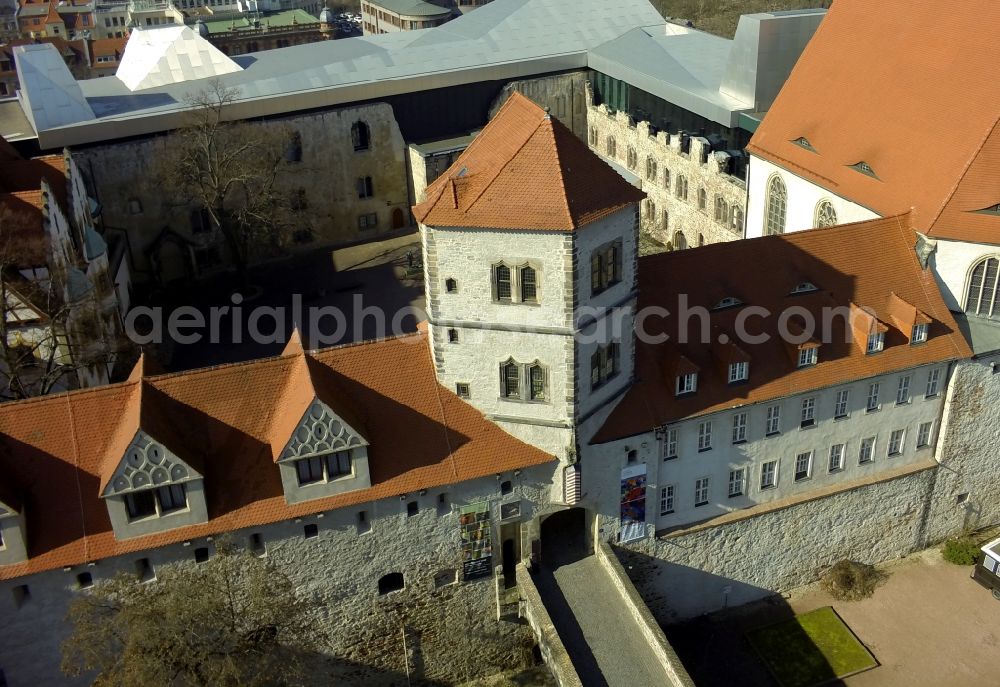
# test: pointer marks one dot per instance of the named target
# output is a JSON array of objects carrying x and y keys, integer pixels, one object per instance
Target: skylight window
[
  {"x": 727, "y": 302},
  {"x": 865, "y": 169},
  {"x": 803, "y": 142},
  {"x": 803, "y": 287}
]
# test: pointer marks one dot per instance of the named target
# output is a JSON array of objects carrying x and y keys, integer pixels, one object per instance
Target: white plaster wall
[
  {"x": 952, "y": 263},
  {"x": 803, "y": 197},
  {"x": 453, "y": 632}
]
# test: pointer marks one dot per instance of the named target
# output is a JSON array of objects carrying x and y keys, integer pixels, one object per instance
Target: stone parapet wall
[{"x": 553, "y": 651}]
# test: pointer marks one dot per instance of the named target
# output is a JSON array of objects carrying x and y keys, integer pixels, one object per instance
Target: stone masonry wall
[
  {"x": 666, "y": 216},
  {"x": 451, "y": 628}
]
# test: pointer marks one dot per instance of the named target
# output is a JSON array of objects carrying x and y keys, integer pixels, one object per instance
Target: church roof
[
  {"x": 525, "y": 170},
  {"x": 868, "y": 265},
  {"x": 421, "y": 436},
  {"x": 909, "y": 90}
]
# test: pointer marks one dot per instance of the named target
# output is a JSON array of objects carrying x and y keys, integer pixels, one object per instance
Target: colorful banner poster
[
  {"x": 633, "y": 503},
  {"x": 477, "y": 549}
]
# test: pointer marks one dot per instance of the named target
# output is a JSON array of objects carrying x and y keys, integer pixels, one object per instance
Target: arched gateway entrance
[{"x": 564, "y": 537}]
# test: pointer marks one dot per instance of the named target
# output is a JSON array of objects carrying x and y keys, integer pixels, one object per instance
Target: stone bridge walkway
[{"x": 602, "y": 638}]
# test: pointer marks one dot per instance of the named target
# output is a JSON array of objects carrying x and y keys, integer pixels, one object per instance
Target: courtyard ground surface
[{"x": 928, "y": 624}]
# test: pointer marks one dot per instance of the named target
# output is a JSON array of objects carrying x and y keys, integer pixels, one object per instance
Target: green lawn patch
[{"x": 811, "y": 649}]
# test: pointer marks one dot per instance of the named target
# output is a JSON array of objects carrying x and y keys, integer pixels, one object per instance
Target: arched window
[
  {"x": 360, "y": 136},
  {"x": 737, "y": 221},
  {"x": 501, "y": 283},
  {"x": 702, "y": 199},
  {"x": 593, "y": 136},
  {"x": 776, "y": 206},
  {"x": 666, "y": 178},
  {"x": 510, "y": 379},
  {"x": 981, "y": 297},
  {"x": 701, "y": 239},
  {"x": 632, "y": 158},
  {"x": 651, "y": 209},
  {"x": 651, "y": 169},
  {"x": 721, "y": 210},
  {"x": 826, "y": 216},
  {"x": 529, "y": 285},
  {"x": 392, "y": 582},
  {"x": 612, "y": 146},
  {"x": 680, "y": 243},
  {"x": 536, "y": 379}
]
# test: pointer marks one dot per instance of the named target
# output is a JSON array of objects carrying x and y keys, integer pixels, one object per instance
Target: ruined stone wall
[
  {"x": 658, "y": 162},
  {"x": 564, "y": 94},
  {"x": 451, "y": 627}
]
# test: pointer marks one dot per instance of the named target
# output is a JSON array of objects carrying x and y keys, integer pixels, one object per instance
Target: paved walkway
[{"x": 602, "y": 638}]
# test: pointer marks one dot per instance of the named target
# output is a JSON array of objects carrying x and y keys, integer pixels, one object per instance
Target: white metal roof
[{"x": 170, "y": 54}]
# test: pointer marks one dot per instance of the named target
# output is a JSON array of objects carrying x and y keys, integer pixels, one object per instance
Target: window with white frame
[
  {"x": 687, "y": 384},
  {"x": 701, "y": 491},
  {"x": 924, "y": 434},
  {"x": 919, "y": 334},
  {"x": 769, "y": 475},
  {"x": 981, "y": 297},
  {"x": 903, "y": 390},
  {"x": 840, "y": 407},
  {"x": 933, "y": 383},
  {"x": 156, "y": 502},
  {"x": 667, "y": 499},
  {"x": 523, "y": 382},
  {"x": 808, "y": 418},
  {"x": 895, "y": 447},
  {"x": 836, "y": 458},
  {"x": 872, "y": 404},
  {"x": 738, "y": 372},
  {"x": 866, "y": 453},
  {"x": 605, "y": 267},
  {"x": 803, "y": 466},
  {"x": 876, "y": 342},
  {"x": 808, "y": 356},
  {"x": 705, "y": 436},
  {"x": 739, "y": 428},
  {"x": 773, "y": 425},
  {"x": 604, "y": 364},
  {"x": 670, "y": 444},
  {"x": 324, "y": 468},
  {"x": 737, "y": 482},
  {"x": 776, "y": 206}
]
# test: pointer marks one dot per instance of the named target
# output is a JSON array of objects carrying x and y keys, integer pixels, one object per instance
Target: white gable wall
[
  {"x": 952, "y": 263},
  {"x": 803, "y": 197}
]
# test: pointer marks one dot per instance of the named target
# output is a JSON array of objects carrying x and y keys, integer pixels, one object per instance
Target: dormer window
[
  {"x": 727, "y": 302},
  {"x": 919, "y": 334},
  {"x": 802, "y": 287},
  {"x": 324, "y": 468},
  {"x": 803, "y": 142},
  {"x": 865, "y": 169},
  {"x": 156, "y": 502},
  {"x": 808, "y": 356},
  {"x": 739, "y": 372},
  {"x": 876, "y": 342},
  {"x": 687, "y": 384}
]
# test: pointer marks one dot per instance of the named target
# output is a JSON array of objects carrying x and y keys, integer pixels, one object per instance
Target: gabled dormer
[
  {"x": 316, "y": 440},
  {"x": 868, "y": 330},
  {"x": 733, "y": 362},
  {"x": 913, "y": 323},
  {"x": 13, "y": 539},
  {"x": 152, "y": 479}
]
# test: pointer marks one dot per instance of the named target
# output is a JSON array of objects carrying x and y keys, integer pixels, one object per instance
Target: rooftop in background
[
  {"x": 266, "y": 20},
  {"x": 422, "y": 436},
  {"x": 869, "y": 264},
  {"x": 411, "y": 8},
  {"x": 525, "y": 169},
  {"x": 911, "y": 91},
  {"x": 711, "y": 76}
]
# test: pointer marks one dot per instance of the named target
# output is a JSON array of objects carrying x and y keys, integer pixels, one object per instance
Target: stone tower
[{"x": 530, "y": 247}]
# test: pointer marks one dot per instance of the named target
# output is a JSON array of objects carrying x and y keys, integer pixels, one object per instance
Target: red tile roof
[
  {"x": 421, "y": 436},
  {"x": 909, "y": 88},
  {"x": 525, "y": 170},
  {"x": 871, "y": 264}
]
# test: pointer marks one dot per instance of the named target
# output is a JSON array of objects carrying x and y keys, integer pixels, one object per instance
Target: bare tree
[
  {"x": 233, "y": 620},
  {"x": 45, "y": 338},
  {"x": 230, "y": 170}
]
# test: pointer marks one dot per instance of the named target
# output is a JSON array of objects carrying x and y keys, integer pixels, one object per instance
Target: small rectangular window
[
  {"x": 667, "y": 500},
  {"x": 872, "y": 403},
  {"x": 201, "y": 554},
  {"x": 257, "y": 545},
  {"x": 84, "y": 580},
  {"x": 933, "y": 383},
  {"x": 310, "y": 531},
  {"x": 687, "y": 384},
  {"x": 836, "y": 457},
  {"x": 867, "y": 451},
  {"x": 704, "y": 436},
  {"x": 840, "y": 408},
  {"x": 808, "y": 356},
  {"x": 462, "y": 390},
  {"x": 670, "y": 444},
  {"x": 737, "y": 479},
  {"x": 919, "y": 334},
  {"x": 773, "y": 421},
  {"x": 896, "y": 442},
  {"x": 924, "y": 434},
  {"x": 701, "y": 491},
  {"x": 22, "y": 595},
  {"x": 739, "y": 428},
  {"x": 144, "y": 570},
  {"x": 364, "y": 524},
  {"x": 903, "y": 390},
  {"x": 803, "y": 466},
  {"x": 808, "y": 412},
  {"x": 769, "y": 475},
  {"x": 412, "y": 508},
  {"x": 171, "y": 498}
]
